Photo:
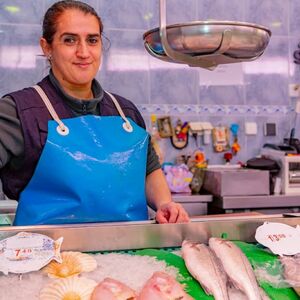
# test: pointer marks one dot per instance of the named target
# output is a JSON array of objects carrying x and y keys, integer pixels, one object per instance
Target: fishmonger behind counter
[{"x": 71, "y": 152}]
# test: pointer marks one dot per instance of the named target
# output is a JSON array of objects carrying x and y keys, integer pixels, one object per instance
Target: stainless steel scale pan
[{"x": 206, "y": 44}]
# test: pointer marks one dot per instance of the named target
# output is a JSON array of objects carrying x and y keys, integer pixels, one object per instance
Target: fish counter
[{"x": 210, "y": 258}]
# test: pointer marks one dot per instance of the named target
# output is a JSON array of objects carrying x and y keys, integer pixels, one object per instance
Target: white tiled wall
[{"x": 259, "y": 91}]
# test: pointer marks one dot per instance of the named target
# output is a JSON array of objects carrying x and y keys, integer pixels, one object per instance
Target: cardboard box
[{"x": 237, "y": 182}]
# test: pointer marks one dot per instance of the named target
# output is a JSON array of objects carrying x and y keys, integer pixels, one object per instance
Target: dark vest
[{"x": 34, "y": 117}]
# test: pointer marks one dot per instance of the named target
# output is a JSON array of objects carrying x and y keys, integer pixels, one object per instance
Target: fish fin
[
  {"x": 234, "y": 294},
  {"x": 5, "y": 271},
  {"x": 206, "y": 290},
  {"x": 57, "y": 246},
  {"x": 234, "y": 284},
  {"x": 220, "y": 266}
]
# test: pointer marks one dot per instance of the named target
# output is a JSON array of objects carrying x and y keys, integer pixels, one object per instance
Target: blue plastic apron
[{"x": 92, "y": 169}]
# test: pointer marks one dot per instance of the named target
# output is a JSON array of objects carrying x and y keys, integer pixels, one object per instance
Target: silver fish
[
  {"x": 205, "y": 268},
  {"x": 235, "y": 294},
  {"x": 237, "y": 267}
]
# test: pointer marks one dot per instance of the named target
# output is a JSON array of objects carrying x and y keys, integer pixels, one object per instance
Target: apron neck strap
[
  {"x": 127, "y": 126},
  {"x": 62, "y": 128},
  {"x": 50, "y": 108}
]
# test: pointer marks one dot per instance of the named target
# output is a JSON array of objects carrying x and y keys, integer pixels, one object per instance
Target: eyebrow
[{"x": 75, "y": 34}]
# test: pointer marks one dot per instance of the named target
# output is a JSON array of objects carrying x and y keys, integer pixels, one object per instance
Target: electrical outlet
[
  {"x": 270, "y": 129},
  {"x": 294, "y": 90}
]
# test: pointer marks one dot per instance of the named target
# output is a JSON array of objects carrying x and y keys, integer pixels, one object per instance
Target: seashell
[
  {"x": 73, "y": 263},
  {"x": 73, "y": 288}
]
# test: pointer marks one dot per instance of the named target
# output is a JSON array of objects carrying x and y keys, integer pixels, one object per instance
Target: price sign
[
  {"x": 26, "y": 252},
  {"x": 280, "y": 238}
]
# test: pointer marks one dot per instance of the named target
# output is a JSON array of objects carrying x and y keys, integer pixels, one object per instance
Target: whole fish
[
  {"x": 204, "y": 266},
  {"x": 235, "y": 294},
  {"x": 236, "y": 266},
  {"x": 162, "y": 286}
]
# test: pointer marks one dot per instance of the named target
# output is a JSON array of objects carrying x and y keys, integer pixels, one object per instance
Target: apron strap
[
  {"x": 127, "y": 126},
  {"x": 61, "y": 128}
]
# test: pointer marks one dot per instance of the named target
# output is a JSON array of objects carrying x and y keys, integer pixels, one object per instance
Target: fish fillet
[
  {"x": 111, "y": 289},
  {"x": 162, "y": 286}
]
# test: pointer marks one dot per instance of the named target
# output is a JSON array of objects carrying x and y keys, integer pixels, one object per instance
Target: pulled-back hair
[{"x": 57, "y": 9}]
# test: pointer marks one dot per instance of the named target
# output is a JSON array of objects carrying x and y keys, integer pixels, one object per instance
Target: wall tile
[
  {"x": 125, "y": 66},
  {"x": 20, "y": 63},
  {"x": 294, "y": 9},
  {"x": 256, "y": 90},
  {"x": 266, "y": 79},
  {"x": 177, "y": 12},
  {"x": 221, "y": 10},
  {"x": 270, "y": 13},
  {"x": 221, "y": 95},
  {"x": 173, "y": 86},
  {"x": 125, "y": 14},
  {"x": 21, "y": 12}
]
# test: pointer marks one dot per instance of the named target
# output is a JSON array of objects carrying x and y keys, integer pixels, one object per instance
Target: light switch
[{"x": 250, "y": 128}]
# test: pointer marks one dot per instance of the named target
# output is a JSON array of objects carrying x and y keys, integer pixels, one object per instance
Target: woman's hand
[
  {"x": 160, "y": 199},
  {"x": 171, "y": 212}
]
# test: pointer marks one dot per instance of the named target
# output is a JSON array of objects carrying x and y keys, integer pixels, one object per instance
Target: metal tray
[{"x": 206, "y": 43}]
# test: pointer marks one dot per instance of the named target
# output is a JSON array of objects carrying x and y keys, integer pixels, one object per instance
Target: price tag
[
  {"x": 26, "y": 252},
  {"x": 280, "y": 238}
]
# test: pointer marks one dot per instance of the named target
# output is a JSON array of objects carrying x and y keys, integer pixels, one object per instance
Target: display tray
[
  {"x": 147, "y": 238},
  {"x": 255, "y": 254}
]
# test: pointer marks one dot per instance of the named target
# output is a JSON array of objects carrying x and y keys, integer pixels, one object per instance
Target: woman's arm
[
  {"x": 11, "y": 137},
  {"x": 159, "y": 198}
]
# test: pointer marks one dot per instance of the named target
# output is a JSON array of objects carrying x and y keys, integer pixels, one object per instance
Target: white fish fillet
[
  {"x": 237, "y": 267},
  {"x": 204, "y": 266},
  {"x": 162, "y": 286},
  {"x": 111, "y": 289}
]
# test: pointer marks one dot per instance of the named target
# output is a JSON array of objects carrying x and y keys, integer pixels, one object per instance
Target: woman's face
[{"x": 76, "y": 49}]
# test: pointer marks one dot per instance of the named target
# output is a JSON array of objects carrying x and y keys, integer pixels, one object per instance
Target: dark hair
[{"x": 57, "y": 9}]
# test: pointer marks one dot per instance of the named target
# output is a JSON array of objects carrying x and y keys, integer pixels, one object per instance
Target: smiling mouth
[{"x": 82, "y": 64}]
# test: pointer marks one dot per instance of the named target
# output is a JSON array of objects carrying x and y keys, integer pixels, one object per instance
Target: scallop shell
[
  {"x": 73, "y": 288},
  {"x": 73, "y": 263}
]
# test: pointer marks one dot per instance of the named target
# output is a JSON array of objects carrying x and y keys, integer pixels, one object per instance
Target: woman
[{"x": 71, "y": 152}]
